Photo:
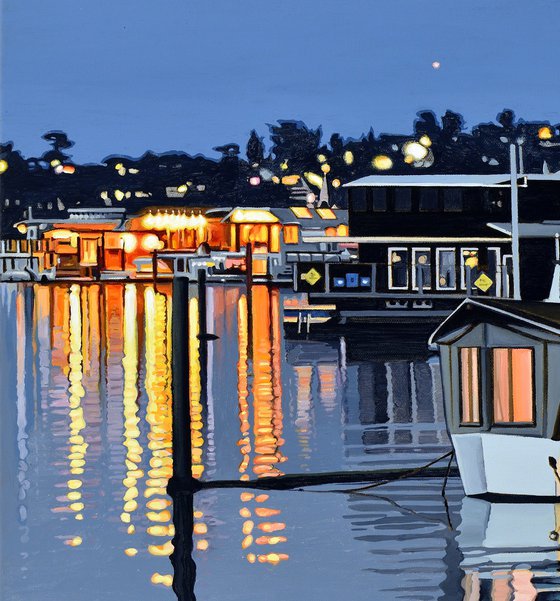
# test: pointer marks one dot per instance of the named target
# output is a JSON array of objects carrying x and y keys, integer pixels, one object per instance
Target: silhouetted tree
[{"x": 255, "y": 149}]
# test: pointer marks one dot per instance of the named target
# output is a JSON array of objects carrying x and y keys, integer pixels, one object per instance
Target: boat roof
[
  {"x": 539, "y": 315},
  {"x": 450, "y": 180},
  {"x": 544, "y": 229}
]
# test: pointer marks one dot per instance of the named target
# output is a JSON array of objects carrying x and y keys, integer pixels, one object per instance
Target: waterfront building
[{"x": 107, "y": 243}]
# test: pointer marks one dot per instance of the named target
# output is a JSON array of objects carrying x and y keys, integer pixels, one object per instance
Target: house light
[
  {"x": 321, "y": 158},
  {"x": 415, "y": 150},
  {"x": 325, "y": 168},
  {"x": 254, "y": 180},
  {"x": 348, "y": 157},
  {"x": 288, "y": 180},
  {"x": 129, "y": 242},
  {"x": 119, "y": 194},
  {"x": 314, "y": 179},
  {"x": 3, "y": 166},
  {"x": 382, "y": 162},
  {"x": 545, "y": 133},
  {"x": 425, "y": 141},
  {"x": 151, "y": 242}
]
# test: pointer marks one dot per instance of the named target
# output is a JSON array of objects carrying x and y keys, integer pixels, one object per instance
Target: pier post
[
  {"x": 182, "y": 460},
  {"x": 202, "y": 321},
  {"x": 182, "y": 485}
]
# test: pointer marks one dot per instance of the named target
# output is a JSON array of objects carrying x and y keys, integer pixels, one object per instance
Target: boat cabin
[{"x": 499, "y": 362}]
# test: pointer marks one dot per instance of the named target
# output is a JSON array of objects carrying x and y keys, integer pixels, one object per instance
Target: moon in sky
[{"x": 436, "y": 64}]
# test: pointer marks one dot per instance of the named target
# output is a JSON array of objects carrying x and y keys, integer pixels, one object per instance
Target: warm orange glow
[
  {"x": 545, "y": 133},
  {"x": 301, "y": 212},
  {"x": 513, "y": 385},
  {"x": 253, "y": 216},
  {"x": 271, "y": 526},
  {"x": 129, "y": 242},
  {"x": 151, "y": 242},
  {"x": 246, "y": 496},
  {"x": 290, "y": 180},
  {"x": 470, "y": 385},
  {"x": 261, "y": 498},
  {"x": 326, "y": 213},
  {"x": 291, "y": 234},
  {"x": 202, "y": 544},
  {"x": 21, "y": 228},
  {"x": 131, "y": 552},
  {"x": 342, "y": 230},
  {"x": 161, "y": 550},
  {"x": 248, "y": 526},
  {"x": 165, "y": 579},
  {"x": 382, "y": 162},
  {"x": 264, "y": 512},
  {"x": 200, "y": 528}
]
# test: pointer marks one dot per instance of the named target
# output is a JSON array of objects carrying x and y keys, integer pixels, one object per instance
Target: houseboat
[
  {"x": 501, "y": 385},
  {"x": 430, "y": 241}
]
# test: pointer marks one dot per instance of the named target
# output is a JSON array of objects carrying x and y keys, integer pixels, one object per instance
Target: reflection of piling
[
  {"x": 182, "y": 485},
  {"x": 249, "y": 274},
  {"x": 202, "y": 322}
]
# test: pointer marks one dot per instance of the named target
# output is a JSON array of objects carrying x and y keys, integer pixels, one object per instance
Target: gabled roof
[
  {"x": 504, "y": 312},
  {"x": 462, "y": 181}
]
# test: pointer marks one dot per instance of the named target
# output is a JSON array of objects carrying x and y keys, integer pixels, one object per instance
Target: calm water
[{"x": 86, "y": 456}]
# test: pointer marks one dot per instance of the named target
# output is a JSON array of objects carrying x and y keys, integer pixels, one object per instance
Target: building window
[
  {"x": 301, "y": 212},
  {"x": 326, "y": 213},
  {"x": 89, "y": 252},
  {"x": 398, "y": 268},
  {"x": 446, "y": 269},
  {"x": 512, "y": 378},
  {"x": 421, "y": 272},
  {"x": 403, "y": 200},
  {"x": 428, "y": 200},
  {"x": 342, "y": 230},
  {"x": 291, "y": 234},
  {"x": 379, "y": 200},
  {"x": 470, "y": 385},
  {"x": 452, "y": 200},
  {"x": 469, "y": 266}
]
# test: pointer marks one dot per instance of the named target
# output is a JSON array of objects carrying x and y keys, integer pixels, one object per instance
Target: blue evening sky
[{"x": 124, "y": 76}]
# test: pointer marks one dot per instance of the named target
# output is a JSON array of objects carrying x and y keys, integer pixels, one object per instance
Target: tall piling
[{"x": 182, "y": 485}]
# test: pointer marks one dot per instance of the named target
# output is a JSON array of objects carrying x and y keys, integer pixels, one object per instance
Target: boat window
[
  {"x": 398, "y": 268},
  {"x": 379, "y": 200},
  {"x": 403, "y": 200},
  {"x": 429, "y": 199},
  {"x": 512, "y": 378},
  {"x": 470, "y": 385},
  {"x": 358, "y": 201},
  {"x": 469, "y": 266},
  {"x": 446, "y": 269},
  {"x": 421, "y": 272},
  {"x": 452, "y": 200}
]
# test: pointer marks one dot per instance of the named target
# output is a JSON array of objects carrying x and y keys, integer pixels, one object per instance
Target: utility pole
[{"x": 515, "y": 222}]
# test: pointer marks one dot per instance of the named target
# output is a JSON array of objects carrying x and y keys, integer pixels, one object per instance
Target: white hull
[{"x": 506, "y": 464}]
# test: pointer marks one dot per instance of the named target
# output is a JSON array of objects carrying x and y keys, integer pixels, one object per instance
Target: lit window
[
  {"x": 342, "y": 230},
  {"x": 512, "y": 370},
  {"x": 470, "y": 385},
  {"x": 89, "y": 252},
  {"x": 291, "y": 234},
  {"x": 469, "y": 266},
  {"x": 326, "y": 213},
  {"x": 330, "y": 231},
  {"x": 446, "y": 269},
  {"x": 421, "y": 274},
  {"x": 398, "y": 268},
  {"x": 302, "y": 212}
]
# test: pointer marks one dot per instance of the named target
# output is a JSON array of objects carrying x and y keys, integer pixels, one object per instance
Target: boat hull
[{"x": 506, "y": 464}]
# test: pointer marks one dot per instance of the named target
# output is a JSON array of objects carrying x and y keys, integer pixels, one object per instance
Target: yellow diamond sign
[
  {"x": 483, "y": 282},
  {"x": 311, "y": 277}
]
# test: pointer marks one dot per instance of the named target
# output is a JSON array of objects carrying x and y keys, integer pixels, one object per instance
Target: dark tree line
[{"x": 257, "y": 176}]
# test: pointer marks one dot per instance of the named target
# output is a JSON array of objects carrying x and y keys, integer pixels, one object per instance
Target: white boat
[{"x": 500, "y": 364}]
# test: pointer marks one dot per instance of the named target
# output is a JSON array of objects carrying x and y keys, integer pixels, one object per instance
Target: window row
[
  {"x": 512, "y": 392},
  {"x": 453, "y": 267},
  {"x": 429, "y": 200}
]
